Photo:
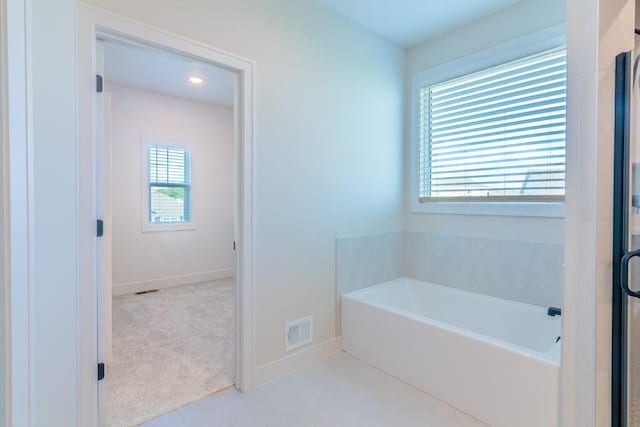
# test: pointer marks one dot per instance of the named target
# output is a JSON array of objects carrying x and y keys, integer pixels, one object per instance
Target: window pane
[
  {"x": 169, "y": 165},
  {"x": 496, "y": 133},
  {"x": 169, "y": 185},
  {"x": 168, "y": 204}
]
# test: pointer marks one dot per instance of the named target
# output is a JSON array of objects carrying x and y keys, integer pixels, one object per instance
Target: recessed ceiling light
[{"x": 196, "y": 80}]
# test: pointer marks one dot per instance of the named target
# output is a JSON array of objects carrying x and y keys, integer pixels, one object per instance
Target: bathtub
[{"x": 495, "y": 359}]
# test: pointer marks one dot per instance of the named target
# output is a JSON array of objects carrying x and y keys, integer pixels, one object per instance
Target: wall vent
[{"x": 298, "y": 333}]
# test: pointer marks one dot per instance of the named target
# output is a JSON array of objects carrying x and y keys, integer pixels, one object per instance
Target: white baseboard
[
  {"x": 296, "y": 361},
  {"x": 169, "y": 282}
]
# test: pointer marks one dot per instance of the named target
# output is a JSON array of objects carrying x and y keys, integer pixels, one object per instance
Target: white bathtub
[{"x": 495, "y": 359}]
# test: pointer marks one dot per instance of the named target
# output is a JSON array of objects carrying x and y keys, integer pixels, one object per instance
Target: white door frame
[
  {"x": 92, "y": 23},
  {"x": 17, "y": 151}
]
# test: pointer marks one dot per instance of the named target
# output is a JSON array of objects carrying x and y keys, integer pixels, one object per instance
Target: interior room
[
  {"x": 319, "y": 213},
  {"x": 168, "y": 190}
]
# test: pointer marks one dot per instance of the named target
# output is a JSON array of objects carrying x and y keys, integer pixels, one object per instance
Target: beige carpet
[
  {"x": 170, "y": 348},
  {"x": 634, "y": 413}
]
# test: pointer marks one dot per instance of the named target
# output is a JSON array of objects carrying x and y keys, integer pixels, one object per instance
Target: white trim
[
  {"x": 169, "y": 282},
  {"x": 543, "y": 209},
  {"x": 296, "y": 361},
  {"x": 5, "y": 322},
  {"x": 93, "y": 22},
  {"x": 505, "y": 52},
  {"x": 107, "y": 276},
  {"x": 17, "y": 143}
]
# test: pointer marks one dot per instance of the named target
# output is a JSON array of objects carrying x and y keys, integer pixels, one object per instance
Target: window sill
[
  {"x": 152, "y": 228},
  {"x": 533, "y": 209}
]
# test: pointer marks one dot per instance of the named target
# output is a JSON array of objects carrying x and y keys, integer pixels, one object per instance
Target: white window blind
[
  {"x": 169, "y": 185},
  {"x": 498, "y": 134}
]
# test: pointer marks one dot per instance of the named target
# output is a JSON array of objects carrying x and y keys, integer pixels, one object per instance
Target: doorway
[
  {"x": 168, "y": 183},
  {"x": 96, "y": 25}
]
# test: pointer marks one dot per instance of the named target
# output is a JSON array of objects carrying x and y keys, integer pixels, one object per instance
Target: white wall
[
  {"x": 4, "y": 225},
  {"x": 4, "y": 274},
  {"x": 54, "y": 228},
  {"x": 3, "y": 303},
  {"x": 516, "y": 21},
  {"x": 144, "y": 260},
  {"x": 323, "y": 169},
  {"x": 597, "y": 31}
]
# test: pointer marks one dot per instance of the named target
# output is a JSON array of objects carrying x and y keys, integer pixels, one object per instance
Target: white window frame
[
  {"x": 147, "y": 226},
  {"x": 539, "y": 41}
]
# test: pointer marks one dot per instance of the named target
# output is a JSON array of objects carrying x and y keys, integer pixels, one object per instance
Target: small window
[
  {"x": 169, "y": 185},
  {"x": 496, "y": 135}
]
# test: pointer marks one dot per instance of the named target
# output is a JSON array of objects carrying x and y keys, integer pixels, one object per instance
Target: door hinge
[
  {"x": 99, "y": 228},
  {"x": 100, "y": 371},
  {"x": 98, "y": 83}
]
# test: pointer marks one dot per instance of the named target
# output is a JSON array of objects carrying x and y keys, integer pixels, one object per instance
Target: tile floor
[{"x": 338, "y": 392}]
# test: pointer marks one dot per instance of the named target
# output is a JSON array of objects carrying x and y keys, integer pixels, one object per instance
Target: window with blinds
[
  {"x": 496, "y": 135},
  {"x": 169, "y": 185}
]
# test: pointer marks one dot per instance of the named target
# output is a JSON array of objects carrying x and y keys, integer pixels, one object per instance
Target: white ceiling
[
  {"x": 158, "y": 71},
  {"x": 408, "y": 22}
]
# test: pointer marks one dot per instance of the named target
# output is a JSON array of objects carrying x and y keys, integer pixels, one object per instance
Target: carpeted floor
[
  {"x": 170, "y": 348},
  {"x": 634, "y": 413}
]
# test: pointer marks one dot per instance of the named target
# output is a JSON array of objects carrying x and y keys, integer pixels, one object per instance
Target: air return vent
[{"x": 298, "y": 333}]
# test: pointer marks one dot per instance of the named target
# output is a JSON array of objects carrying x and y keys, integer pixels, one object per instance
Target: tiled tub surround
[
  {"x": 363, "y": 261},
  {"x": 524, "y": 271},
  {"x": 495, "y": 359}
]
